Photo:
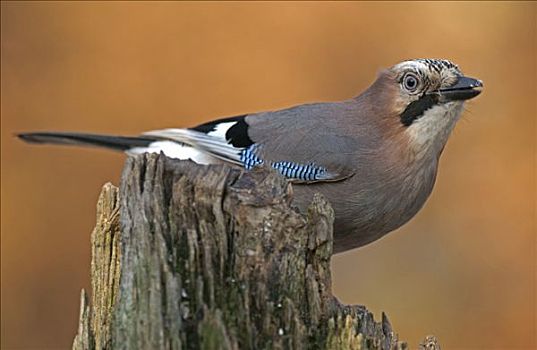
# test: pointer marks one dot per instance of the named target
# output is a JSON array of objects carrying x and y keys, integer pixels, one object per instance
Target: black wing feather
[{"x": 237, "y": 135}]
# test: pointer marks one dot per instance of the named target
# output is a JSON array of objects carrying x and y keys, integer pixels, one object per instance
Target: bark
[{"x": 209, "y": 257}]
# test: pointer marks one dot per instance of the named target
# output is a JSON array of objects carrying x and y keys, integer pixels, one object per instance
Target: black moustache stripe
[{"x": 416, "y": 109}]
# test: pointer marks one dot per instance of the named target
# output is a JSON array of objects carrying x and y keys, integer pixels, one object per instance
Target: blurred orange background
[{"x": 464, "y": 269}]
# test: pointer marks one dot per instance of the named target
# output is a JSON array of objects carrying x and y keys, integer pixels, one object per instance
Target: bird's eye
[{"x": 410, "y": 82}]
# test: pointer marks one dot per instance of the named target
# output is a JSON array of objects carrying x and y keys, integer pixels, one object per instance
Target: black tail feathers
[{"x": 119, "y": 143}]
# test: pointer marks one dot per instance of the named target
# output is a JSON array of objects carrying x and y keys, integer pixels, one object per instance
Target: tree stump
[{"x": 209, "y": 257}]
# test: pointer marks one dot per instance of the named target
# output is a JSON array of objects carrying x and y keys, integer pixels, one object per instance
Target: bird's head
[{"x": 426, "y": 96}]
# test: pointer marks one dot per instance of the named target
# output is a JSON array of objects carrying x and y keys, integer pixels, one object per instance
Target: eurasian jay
[{"x": 374, "y": 156}]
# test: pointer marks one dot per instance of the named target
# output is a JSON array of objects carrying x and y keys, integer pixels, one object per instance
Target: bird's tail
[{"x": 118, "y": 143}]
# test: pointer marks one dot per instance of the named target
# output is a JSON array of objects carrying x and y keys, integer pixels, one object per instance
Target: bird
[{"x": 374, "y": 156}]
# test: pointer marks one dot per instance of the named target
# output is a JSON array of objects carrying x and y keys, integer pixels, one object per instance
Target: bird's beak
[{"x": 464, "y": 89}]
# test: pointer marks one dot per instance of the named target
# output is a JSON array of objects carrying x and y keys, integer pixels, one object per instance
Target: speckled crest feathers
[{"x": 434, "y": 72}]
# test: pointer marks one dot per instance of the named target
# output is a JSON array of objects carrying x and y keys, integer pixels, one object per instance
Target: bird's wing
[
  {"x": 303, "y": 153},
  {"x": 223, "y": 138}
]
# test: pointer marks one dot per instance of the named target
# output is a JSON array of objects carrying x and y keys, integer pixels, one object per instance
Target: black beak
[{"x": 464, "y": 89}]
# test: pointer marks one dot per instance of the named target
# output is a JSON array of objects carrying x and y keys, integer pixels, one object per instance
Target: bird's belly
[{"x": 362, "y": 217}]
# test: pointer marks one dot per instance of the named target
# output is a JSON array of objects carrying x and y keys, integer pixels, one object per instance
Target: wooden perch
[{"x": 209, "y": 257}]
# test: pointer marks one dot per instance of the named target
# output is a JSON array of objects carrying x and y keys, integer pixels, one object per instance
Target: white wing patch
[
  {"x": 221, "y": 129},
  {"x": 213, "y": 143},
  {"x": 176, "y": 150}
]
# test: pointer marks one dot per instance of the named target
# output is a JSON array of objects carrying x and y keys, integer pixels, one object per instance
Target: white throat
[{"x": 431, "y": 131}]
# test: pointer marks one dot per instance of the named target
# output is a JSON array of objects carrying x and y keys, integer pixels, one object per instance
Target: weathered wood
[
  {"x": 94, "y": 323},
  {"x": 214, "y": 258}
]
